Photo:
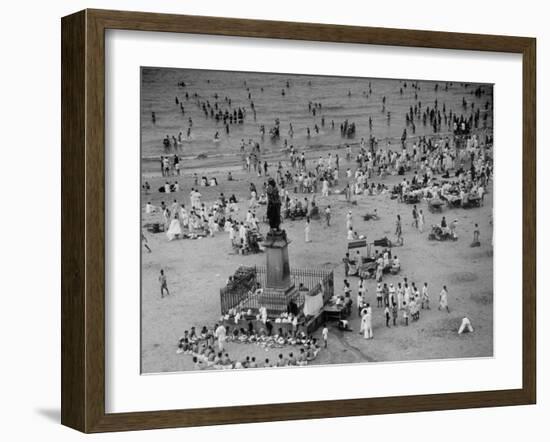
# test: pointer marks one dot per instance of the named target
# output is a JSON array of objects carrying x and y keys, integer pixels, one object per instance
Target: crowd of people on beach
[
  {"x": 426, "y": 157},
  {"x": 399, "y": 305},
  {"x": 208, "y": 347},
  {"x": 453, "y": 166},
  {"x": 322, "y": 177},
  {"x": 403, "y": 300},
  {"x": 225, "y": 112}
]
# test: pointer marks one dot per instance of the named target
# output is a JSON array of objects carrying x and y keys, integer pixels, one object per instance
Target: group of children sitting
[
  {"x": 201, "y": 347},
  {"x": 222, "y": 361},
  {"x": 205, "y": 181}
]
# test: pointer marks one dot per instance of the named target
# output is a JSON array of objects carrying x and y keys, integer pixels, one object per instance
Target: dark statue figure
[{"x": 273, "y": 205}]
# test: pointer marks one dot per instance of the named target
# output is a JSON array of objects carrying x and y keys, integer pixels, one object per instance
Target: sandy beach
[
  {"x": 195, "y": 275},
  {"x": 183, "y": 109}
]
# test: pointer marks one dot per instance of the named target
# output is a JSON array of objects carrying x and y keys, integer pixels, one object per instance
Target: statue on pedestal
[
  {"x": 273, "y": 206},
  {"x": 278, "y": 280}
]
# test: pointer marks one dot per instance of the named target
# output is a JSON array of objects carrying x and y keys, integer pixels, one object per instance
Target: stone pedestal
[
  {"x": 279, "y": 284},
  {"x": 277, "y": 263}
]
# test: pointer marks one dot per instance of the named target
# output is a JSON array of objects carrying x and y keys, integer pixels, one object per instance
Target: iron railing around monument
[
  {"x": 245, "y": 297},
  {"x": 233, "y": 298}
]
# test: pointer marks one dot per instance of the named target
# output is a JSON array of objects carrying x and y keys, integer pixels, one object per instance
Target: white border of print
[{"x": 127, "y": 390}]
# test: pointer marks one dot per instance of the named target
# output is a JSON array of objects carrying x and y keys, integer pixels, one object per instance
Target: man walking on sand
[
  {"x": 144, "y": 242},
  {"x": 346, "y": 264},
  {"x": 425, "y": 297},
  {"x": 421, "y": 221},
  {"x": 476, "y": 242},
  {"x": 443, "y": 300},
  {"x": 163, "y": 284},
  {"x": 398, "y": 230},
  {"x": 325, "y": 335},
  {"x": 307, "y": 230},
  {"x": 349, "y": 220},
  {"x": 415, "y": 217},
  {"x": 367, "y": 327}
]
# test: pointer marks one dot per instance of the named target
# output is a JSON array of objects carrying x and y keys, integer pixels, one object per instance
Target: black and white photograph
[
  {"x": 302, "y": 220},
  {"x": 295, "y": 220}
]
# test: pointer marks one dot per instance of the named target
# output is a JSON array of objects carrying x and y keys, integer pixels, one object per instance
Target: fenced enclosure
[{"x": 244, "y": 296}]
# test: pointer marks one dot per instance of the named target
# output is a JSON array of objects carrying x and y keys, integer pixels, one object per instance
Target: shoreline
[{"x": 233, "y": 160}]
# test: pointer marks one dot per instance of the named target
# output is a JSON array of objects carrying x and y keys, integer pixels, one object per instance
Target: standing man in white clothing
[
  {"x": 220, "y": 334},
  {"x": 443, "y": 299}
]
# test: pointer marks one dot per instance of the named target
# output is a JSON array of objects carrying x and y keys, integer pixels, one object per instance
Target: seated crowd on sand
[
  {"x": 426, "y": 158},
  {"x": 204, "y": 220},
  {"x": 207, "y": 355}
]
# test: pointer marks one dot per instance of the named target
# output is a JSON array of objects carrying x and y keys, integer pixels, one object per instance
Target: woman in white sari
[
  {"x": 193, "y": 223},
  {"x": 253, "y": 203},
  {"x": 166, "y": 218},
  {"x": 325, "y": 191},
  {"x": 184, "y": 217},
  {"x": 174, "y": 230}
]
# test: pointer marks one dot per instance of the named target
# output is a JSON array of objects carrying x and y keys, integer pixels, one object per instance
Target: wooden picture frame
[{"x": 83, "y": 219}]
